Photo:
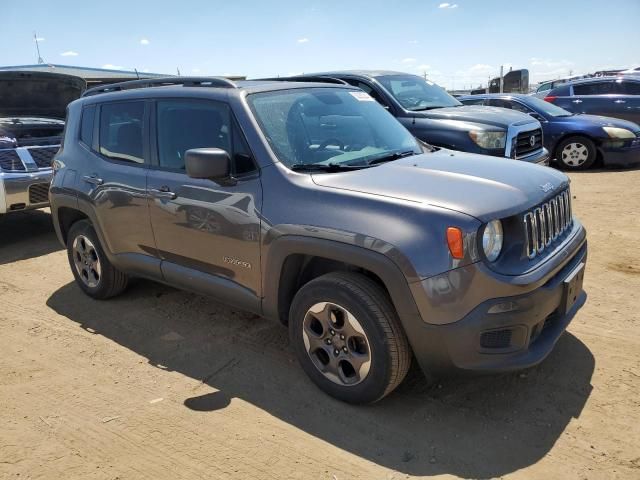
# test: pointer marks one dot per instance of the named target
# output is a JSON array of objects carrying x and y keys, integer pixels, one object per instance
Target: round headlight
[{"x": 492, "y": 240}]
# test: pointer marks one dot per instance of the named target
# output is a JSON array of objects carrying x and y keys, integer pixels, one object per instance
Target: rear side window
[
  {"x": 596, "y": 88},
  {"x": 86, "y": 125},
  {"x": 628, "y": 88},
  {"x": 121, "y": 131}
]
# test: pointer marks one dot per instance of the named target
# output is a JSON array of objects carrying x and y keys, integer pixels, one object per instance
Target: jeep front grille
[
  {"x": 528, "y": 142},
  {"x": 545, "y": 223},
  {"x": 43, "y": 156},
  {"x": 39, "y": 193},
  {"x": 10, "y": 161}
]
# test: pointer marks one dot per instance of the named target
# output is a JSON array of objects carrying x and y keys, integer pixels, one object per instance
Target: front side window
[
  {"x": 187, "y": 124},
  {"x": 547, "y": 108},
  {"x": 595, "y": 88},
  {"x": 121, "y": 131},
  {"x": 544, "y": 87},
  {"x": 329, "y": 126},
  {"x": 476, "y": 101},
  {"x": 415, "y": 93}
]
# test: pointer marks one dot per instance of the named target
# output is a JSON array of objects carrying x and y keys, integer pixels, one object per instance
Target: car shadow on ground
[
  {"x": 478, "y": 427},
  {"x": 25, "y": 235}
]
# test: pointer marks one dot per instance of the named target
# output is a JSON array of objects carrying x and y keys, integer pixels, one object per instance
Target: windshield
[
  {"x": 415, "y": 93},
  {"x": 547, "y": 108},
  {"x": 329, "y": 126}
]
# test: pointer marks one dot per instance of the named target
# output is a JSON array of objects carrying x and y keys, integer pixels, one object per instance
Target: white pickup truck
[{"x": 32, "y": 111}]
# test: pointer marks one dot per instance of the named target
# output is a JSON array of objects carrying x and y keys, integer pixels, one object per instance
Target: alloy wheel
[
  {"x": 86, "y": 261},
  {"x": 336, "y": 343}
]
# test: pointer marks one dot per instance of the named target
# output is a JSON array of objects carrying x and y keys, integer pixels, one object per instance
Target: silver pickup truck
[{"x": 32, "y": 110}]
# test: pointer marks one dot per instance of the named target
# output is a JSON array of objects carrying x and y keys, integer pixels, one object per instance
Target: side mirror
[
  {"x": 537, "y": 116},
  {"x": 209, "y": 163}
]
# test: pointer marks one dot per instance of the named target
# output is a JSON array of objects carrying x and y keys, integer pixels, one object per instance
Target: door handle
[
  {"x": 619, "y": 101},
  {"x": 577, "y": 101},
  {"x": 163, "y": 192},
  {"x": 93, "y": 179}
]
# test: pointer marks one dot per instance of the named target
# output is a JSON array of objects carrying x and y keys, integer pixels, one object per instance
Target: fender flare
[{"x": 382, "y": 266}]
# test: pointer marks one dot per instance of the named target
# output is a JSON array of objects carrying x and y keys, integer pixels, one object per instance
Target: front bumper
[
  {"x": 615, "y": 154},
  {"x": 541, "y": 157},
  {"x": 24, "y": 190},
  {"x": 513, "y": 322}
]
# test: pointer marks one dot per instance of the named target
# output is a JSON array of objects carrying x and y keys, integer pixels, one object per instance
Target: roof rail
[
  {"x": 307, "y": 78},
  {"x": 161, "y": 82}
]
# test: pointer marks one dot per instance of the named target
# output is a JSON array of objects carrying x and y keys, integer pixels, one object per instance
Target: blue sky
[{"x": 458, "y": 44}]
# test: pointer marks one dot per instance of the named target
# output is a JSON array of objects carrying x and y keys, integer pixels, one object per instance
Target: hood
[
  {"x": 38, "y": 94},
  {"x": 494, "y": 116},
  {"x": 599, "y": 121},
  {"x": 481, "y": 186}
]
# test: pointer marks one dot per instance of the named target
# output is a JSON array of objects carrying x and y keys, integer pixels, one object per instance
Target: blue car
[{"x": 576, "y": 141}]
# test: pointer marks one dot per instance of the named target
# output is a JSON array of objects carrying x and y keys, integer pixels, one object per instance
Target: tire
[
  {"x": 370, "y": 329},
  {"x": 576, "y": 153},
  {"x": 93, "y": 272}
]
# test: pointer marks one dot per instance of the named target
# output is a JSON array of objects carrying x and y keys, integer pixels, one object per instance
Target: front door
[{"x": 206, "y": 233}]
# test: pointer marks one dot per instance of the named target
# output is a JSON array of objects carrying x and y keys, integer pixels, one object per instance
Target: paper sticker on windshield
[{"x": 362, "y": 96}]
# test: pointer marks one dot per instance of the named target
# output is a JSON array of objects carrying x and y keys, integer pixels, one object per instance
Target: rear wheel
[
  {"x": 93, "y": 272},
  {"x": 576, "y": 153},
  {"x": 348, "y": 338}
]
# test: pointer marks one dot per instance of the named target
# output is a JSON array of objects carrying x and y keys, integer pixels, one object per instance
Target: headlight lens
[
  {"x": 488, "y": 140},
  {"x": 492, "y": 240},
  {"x": 615, "y": 132}
]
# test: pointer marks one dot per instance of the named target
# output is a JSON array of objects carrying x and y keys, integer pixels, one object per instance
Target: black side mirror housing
[{"x": 208, "y": 163}]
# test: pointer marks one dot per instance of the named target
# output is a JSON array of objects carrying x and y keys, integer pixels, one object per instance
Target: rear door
[
  {"x": 207, "y": 233},
  {"x": 627, "y": 101},
  {"x": 113, "y": 180},
  {"x": 594, "y": 98}
]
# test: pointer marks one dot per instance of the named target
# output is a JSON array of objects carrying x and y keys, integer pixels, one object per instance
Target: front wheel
[
  {"x": 576, "y": 153},
  {"x": 348, "y": 338},
  {"x": 93, "y": 271}
]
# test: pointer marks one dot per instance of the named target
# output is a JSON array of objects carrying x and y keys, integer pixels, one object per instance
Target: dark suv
[
  {"x": 310, "y": 204},
  {"x": 435, "y": 117},
  {"x": 617, "y": 97}
]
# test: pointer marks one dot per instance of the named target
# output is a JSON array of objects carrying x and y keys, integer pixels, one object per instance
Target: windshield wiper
[
  {"x": 324, "y": 167},
  {"x": 391, "y": 157},
  {"x": 422, "y": 109}
]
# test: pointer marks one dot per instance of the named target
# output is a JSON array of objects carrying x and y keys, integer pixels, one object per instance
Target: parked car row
[{"x": 373, "y": 247}]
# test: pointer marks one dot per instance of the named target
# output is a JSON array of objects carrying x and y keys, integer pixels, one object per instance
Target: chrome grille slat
[{"x": 546, "y": 223}]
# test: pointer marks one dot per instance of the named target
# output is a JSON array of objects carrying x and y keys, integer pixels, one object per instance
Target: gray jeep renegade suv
[{"x": 309, "y": 203}]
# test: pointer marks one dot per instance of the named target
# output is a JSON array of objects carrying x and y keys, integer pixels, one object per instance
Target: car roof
[
  {"x": 196, "y": 86},
  {"x": 359, "y": 73},
  {"x": 601, "y": 79}
]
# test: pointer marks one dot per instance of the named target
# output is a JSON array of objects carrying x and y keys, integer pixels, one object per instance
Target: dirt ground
[{"x": 163, "y": 384}]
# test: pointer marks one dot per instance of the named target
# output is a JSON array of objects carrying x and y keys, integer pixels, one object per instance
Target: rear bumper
[
  {"x": 623, "y": 155},
  {"x": 513, "y": 324},
  {"x": 24, "y": 190}
]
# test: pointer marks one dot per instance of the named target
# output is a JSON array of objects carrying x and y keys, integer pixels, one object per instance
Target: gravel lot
[{"x": 163, "y": 384}]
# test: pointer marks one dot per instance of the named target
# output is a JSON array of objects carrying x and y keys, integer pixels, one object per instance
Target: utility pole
[
  {"x": 35, "y": 37},
  {"x": 501, "y": 79}
]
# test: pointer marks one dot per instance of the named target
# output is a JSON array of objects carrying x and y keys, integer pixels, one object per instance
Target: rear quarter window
[{"x": 86, "y": 125}]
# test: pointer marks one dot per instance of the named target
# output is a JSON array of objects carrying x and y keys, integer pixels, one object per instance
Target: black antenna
[
  {"x": 137, "y": 75},
  {"x": 35, "y": 37},
  {"x": 178, "y": 70}
]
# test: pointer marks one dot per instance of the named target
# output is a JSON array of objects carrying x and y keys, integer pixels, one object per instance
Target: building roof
[{"x": 93, "y": 76}]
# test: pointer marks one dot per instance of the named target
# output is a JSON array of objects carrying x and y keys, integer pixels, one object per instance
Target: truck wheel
[
  {"x": 90, "y": 266},
  {"x": 576, "y": 153},
  {"x": 348, "y": 338}
]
